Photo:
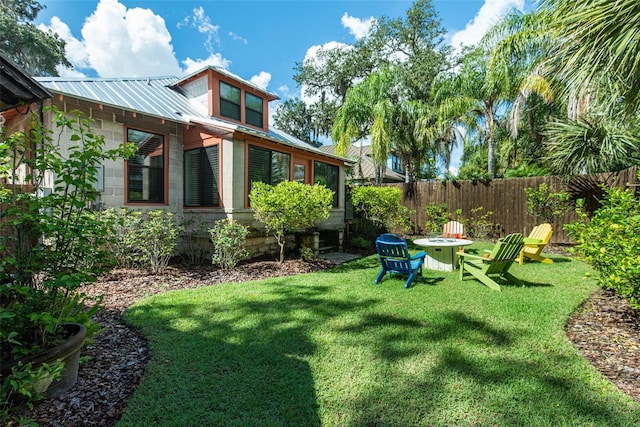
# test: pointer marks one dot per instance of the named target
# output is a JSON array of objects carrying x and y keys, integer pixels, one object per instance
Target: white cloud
[
  {"x": 117, "y": 41},
  {"x": 75, "y": 50},
  {"x": 285, "y": 92},
  {"x": 203, "y": 23},
  {"x": 234, "y": 36},
  {"x": 490, "y": 13},
  {"x": 215, "y": 60},
  {"x": 121, "y": 42},
  {"x": 261, "y": 80},
  {"x": 128, "y": 42},
  {"x": 356, "y": 26}
]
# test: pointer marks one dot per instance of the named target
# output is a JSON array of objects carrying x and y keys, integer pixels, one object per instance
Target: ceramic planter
[{"x": 68, "y": 352}]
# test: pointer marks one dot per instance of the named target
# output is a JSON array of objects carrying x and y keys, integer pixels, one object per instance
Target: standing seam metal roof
[{"x": 154, "y": 96}]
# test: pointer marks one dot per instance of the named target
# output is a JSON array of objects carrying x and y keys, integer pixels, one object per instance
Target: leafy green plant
[
  {"x": 382, "y": 205},
  {"x": 307, "y": 254},
  {"x": 289, "y": 206},
  {"x": 228, "y": 238},
  {"x": 22, "y": 388},
  {"x": 360, "y": 242},
  {"x": 158, "y": 239},
  {"x": 124, "y": 240},
  {"x": 478, "y": 225},
  {"x": 437, "y": 216},
  {"x": 609, "y": 241},
  {"x": 195, "y": 244},
  {"x": 545, "y": 203},
  {"x": 52, "y": 243}
]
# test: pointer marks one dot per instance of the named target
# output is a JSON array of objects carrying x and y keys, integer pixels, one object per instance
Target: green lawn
[{"x": 333, "y": 349}]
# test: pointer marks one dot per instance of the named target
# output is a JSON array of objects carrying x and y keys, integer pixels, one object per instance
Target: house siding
[{"x": 151, "y": 105}]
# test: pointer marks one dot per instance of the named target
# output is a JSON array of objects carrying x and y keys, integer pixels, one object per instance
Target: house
[
  {"x": 363, "y": 170},
  {"x": 202, "y": 141}
]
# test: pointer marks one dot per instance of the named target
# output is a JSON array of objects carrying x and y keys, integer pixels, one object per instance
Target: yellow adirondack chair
[
  {"x": 535, "y": 243},
  {"x": 495, "y": 263}
]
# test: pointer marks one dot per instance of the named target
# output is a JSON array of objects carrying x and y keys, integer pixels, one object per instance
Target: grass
[{"x": 333, "y": 349}]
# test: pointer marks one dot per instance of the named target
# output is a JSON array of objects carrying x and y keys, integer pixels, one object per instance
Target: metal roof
[
  {"x": 152, "y": 96},
  {"x": 360, "y": 156},
  {"x": 160, "y": 97}
]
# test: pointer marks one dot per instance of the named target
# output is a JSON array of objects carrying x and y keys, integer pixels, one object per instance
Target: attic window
[
  {"x": 230, "y": 101},
  {"x": 253, "y": 109}
]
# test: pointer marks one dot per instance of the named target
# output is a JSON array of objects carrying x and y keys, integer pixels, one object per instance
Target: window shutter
[
  {"x": 210, "y": 193},
  {"x": 259, "y": 166},
  {"x": 192, "y": 178}
]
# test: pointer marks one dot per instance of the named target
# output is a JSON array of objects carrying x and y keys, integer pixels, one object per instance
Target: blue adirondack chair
[{"x": 395, "y": 258}]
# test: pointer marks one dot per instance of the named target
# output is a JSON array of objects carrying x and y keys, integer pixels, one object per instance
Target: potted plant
[{"x": 52, "y": 243}]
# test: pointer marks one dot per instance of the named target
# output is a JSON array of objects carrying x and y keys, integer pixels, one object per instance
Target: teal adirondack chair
[
  {"x": 395, "y": 258},
  {"x": 496, "y": 263}
]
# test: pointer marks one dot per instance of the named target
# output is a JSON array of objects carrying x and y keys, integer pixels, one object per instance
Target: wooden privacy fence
[{"x": 507, "y": 198}]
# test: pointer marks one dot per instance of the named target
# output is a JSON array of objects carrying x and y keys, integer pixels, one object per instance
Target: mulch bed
[{"x": 605, "y": 329}]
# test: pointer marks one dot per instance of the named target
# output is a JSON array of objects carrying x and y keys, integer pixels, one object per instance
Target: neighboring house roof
[
  {"x": 159, "y": 97},
  {"x": 17, "y": 87},
  {"x": 366, "y": 163}
]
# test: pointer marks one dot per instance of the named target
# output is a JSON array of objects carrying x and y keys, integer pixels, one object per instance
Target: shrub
[
  {"x": 382, "y": 205},
  {"x": 158, "y": 239},
  {"x": 437, "y": 217},
  {"x": 228, "y": 238},
  {"x": 52, "y": 243},
  {"x": 478, "y": 225},
  {"x": 609, "y": 242},
  {"x": 124, "y": 243},
  {"x": 361, "y": 243},
  {"x": 196, "y": 245},
  {"x": 289, "y": 206},
  {"x": 546, "y": 204},
  {"x": 307, "y": 254}
]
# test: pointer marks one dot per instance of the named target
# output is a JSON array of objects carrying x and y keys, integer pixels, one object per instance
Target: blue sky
[{"x": 259, "y": 40}]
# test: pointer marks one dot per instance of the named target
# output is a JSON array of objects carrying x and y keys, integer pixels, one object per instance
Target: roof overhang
[
  {"x": 220, "y": 128},
  {"x": 17, "y": 88}
]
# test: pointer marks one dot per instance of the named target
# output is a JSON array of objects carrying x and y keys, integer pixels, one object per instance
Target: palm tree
[
  {"x": 519, "y": 43},
  {"x": 597, "y": 39},
  {"x": 365, "y": 113},
  {"x": 413, "y": 135},
  {"x": 472, "y": 98},
  {"x": 591, "y": 144},
  {"x": 377, "y": 108}
]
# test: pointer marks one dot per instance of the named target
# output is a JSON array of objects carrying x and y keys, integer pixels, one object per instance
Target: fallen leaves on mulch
[{"x": 605, "y": 329}]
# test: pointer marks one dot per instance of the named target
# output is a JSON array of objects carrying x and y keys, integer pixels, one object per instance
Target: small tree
[
  {"x": 288, "y": 206},
  {"x": 383, "y": 206},
  {"x": 51, "y": 243},
  {"x": 546, "y": 204}
]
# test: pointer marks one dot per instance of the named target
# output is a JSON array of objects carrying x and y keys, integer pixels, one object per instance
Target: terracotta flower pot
[{"x": 68, "y": 352}]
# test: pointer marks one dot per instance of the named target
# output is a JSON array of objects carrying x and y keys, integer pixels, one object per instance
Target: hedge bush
[{"x": 609, "y": 242}]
